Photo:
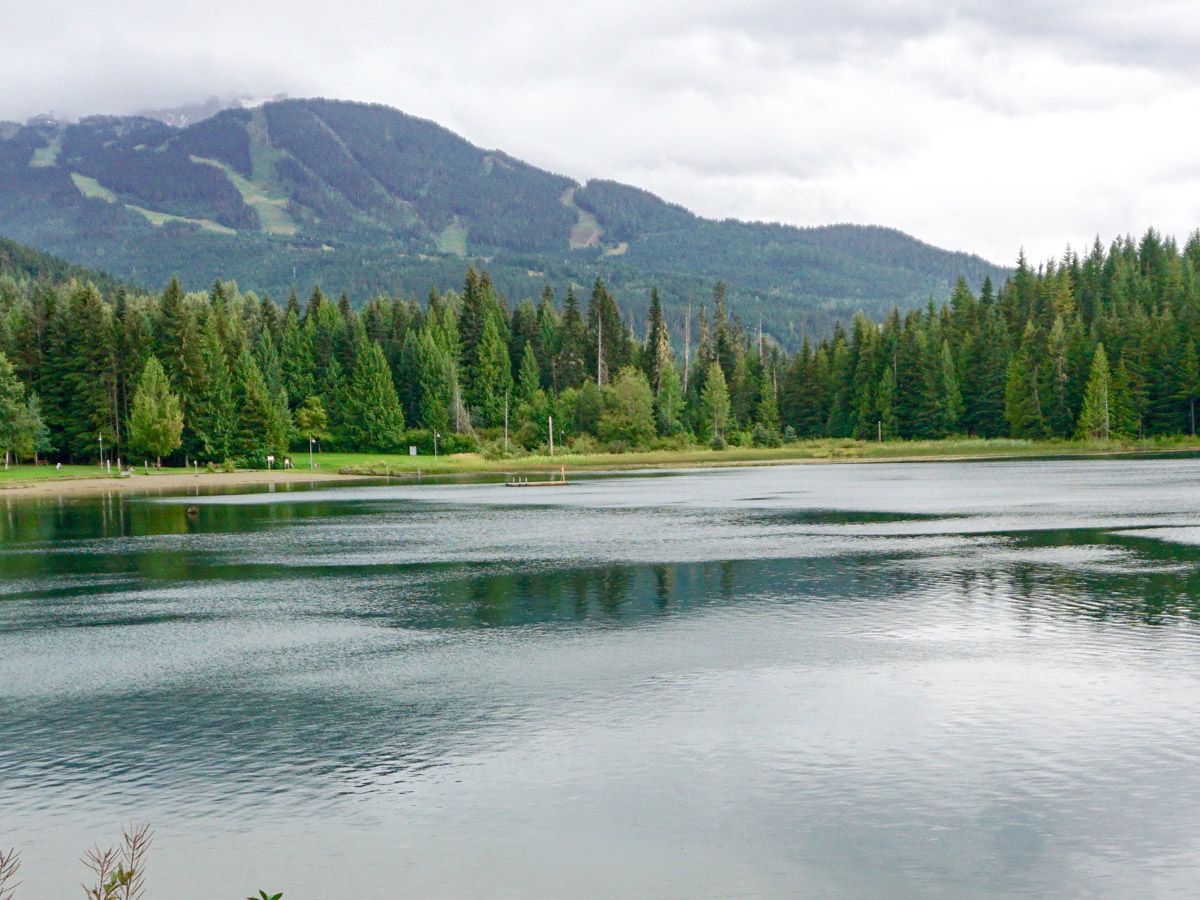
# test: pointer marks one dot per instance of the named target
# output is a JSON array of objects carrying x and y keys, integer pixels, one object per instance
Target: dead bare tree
[
  {"x": 119, "y": 872},
  {"x": 10, "y": 865}
]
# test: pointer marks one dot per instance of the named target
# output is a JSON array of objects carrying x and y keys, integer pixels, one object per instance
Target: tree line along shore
[{"x": 1095, "y": 348}]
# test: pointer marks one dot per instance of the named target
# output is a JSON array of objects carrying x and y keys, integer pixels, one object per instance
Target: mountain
[
  {"x": 365, "y": 199},
  {"x": 23, "y": 264}
]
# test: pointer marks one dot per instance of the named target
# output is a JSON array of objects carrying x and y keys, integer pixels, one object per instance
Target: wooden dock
[{"x": 523, "y": 480}]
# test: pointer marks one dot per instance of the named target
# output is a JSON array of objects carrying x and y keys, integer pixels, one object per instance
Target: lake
[{"x": 902, "y": 680}]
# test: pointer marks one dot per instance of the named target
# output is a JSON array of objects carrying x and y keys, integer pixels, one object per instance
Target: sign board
[
  {"x": 270, "y": 459},
  {"x": 412, "y": 450}
]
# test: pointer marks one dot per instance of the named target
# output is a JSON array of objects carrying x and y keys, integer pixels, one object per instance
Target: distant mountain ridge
[{"x": 366, "y": 199}]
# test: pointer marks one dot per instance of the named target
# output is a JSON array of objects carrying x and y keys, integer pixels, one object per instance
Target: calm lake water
[{"x": 817, "y": 681}]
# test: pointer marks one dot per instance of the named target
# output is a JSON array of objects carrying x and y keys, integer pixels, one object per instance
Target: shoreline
[
  {"x": 171, "y": 482},
  {"x": 180, "y": 482}
]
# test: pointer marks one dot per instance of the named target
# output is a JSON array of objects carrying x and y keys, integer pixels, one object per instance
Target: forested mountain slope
[{"x": 365, "y": 199}]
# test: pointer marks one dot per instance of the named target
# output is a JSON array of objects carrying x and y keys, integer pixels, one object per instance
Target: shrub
[
  {"x": 765, "y": 437},
  {"x": 718, "y": 443},
  {"x": 738, "y": 438},
  {"x": 584, "y": 444}
]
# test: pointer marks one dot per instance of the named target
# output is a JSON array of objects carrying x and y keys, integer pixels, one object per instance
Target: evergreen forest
[{"x": 1094, "y": 346}]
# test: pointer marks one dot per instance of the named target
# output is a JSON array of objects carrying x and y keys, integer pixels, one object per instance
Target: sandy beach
[{"x": 168, "y": 482}]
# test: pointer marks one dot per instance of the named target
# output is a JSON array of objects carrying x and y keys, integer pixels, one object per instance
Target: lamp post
[
  {"x": 311, "y": 441},
  {"x": 100, "y": 438},
  {"x": 435, "y": 440}
]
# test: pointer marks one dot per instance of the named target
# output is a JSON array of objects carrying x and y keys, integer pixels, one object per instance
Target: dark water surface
[{"x": 827, "y": 681}]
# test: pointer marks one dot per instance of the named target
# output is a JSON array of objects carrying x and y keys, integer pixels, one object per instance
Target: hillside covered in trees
[
  {"x": 365, "y": 200},
  {"x": 1095, "y": 346}
]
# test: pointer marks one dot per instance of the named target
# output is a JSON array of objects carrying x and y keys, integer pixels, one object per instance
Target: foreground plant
[
  {"x": 119, "y": 872},
  {"x": 10, "y": 865},
  {"x": 263, "y": 895}
]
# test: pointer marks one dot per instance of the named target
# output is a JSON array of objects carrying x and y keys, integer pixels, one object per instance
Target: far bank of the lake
[{"x": 83, "y": 480}]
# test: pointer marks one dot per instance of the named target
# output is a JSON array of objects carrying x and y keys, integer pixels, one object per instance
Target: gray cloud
[{"x": 975, "y": 125}]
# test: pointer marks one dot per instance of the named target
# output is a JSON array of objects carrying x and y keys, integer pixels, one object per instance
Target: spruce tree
[
  {"x": 434, "y": 383},
  {"x": 1189, "y": 383},
  {"x": 12, "y": 402},
  {"x": 950, "y": 406},
  {"x": 156, "y": 423},
  {"x": 714, "y": 401},
  {"x": 296, "y": 359},
  {"x": 1124, "y": 421},
  {"x": 211, "y": 416},
  {"x": 767, "y": 414},
  {"x": 569, "y": 363},
  {"x": 1095, "y": 420},
  {"x": 669, "y": 404},
  {"x": 657, "y": 355},
  {"x": 492, "y": 378},
  {"x": 528, "y": 379},
  {"x": 251, "y": 440},
  {"x": 374, "y": 420},
  {"x": 1022, "y": 396}
]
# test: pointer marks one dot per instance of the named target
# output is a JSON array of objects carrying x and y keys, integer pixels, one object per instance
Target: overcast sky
[{"x": 980, "y": 126}]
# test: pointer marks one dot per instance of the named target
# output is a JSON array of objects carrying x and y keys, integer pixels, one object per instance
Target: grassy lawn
[
  {"x": 823, "y": 450},
  {"x": 27, "y": 473},
  {"x": 803, "y": 451}
]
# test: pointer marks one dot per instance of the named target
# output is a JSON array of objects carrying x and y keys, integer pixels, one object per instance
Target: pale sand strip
[{"x": 173, "y": 482}]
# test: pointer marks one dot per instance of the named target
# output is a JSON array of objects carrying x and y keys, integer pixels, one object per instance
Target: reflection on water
[{"x": 840, "y": 681}]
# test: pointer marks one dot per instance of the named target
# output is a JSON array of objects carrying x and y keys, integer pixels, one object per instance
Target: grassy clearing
[
  {"x": 273, "y": 215},
  {"x": 47, "y": 156},
  {"x": 92, "y": 189},
  {"x": 453, "y": 238},
  {"x": 28, "y": 473},
  {"x": 804, "y": 451},
  {"x": 158, "y": 219},
  {"x": 395, "y": 464}
]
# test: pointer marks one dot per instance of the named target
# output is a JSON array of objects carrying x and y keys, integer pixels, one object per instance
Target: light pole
[
  {"x": 100, "y": 437},
  {"x": 311, "y": 441},
  {"x": 550, "y": 428},
  {"x": 435, "y": 440}
]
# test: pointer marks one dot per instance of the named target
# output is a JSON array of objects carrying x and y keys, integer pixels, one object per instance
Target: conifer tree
[
  {"x": 669, "y": 404},
  {"x": 1022, "y": 397},
  {"x": 1123, "y": 416},
  {"x": 156, "y": 423},
  {"x": 435, "y": 383},
  {"x": 168, "y": 331},
  {"x": 492, "y": 378},
  {"x": 569, "y": 363},
  {"x": 374, "y": 420},
  {"x": 1095, "y": 420},
  {"x": 657, "y": 355},
  {"x": 950, "y": 407},
  {"x": 12, "y": 397},
  {"x": 767, "y": 414},
  {"x": 251, "y": 440},
  {"x": 885, "y": 406},
  {"x": 714, "y": 401},
  {"x": 296, "y": 359},
  {"x": 527, "y": 380},
  {"x": 1189, "y": 382},
  {"x": 211, "y": 416}
]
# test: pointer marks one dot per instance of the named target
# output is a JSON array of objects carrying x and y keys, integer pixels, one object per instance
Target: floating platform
[{"x": 523, "y": 481}]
